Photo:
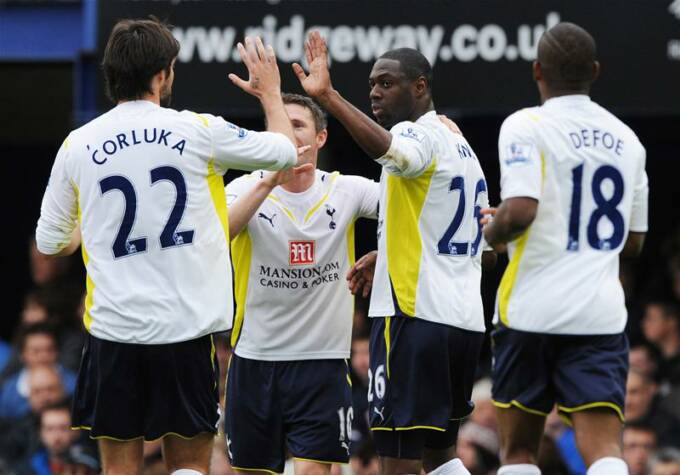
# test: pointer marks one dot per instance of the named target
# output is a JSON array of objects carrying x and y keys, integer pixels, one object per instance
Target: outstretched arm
[
  {"x": 264, "y": 82},
  {"x": 369, "y": 135}
]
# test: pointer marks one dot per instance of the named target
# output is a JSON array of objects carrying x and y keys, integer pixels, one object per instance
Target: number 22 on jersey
[{"x": 123, "y": 245}]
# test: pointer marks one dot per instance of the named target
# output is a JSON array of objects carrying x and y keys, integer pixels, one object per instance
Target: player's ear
[
  {"x": 536, "y": 69},
  {"x": 596, "y": 70},
  {"x": 420, "y": 86},
  {"x": 321, "y": 138}
]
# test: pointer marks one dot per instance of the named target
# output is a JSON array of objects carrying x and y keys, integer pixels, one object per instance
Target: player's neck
[
  {"x": 300, "y": 183},
  {"x": 420, "y": 110},
  {"x": 155, "y": 98},
  {"x": 550, "y": 94}
]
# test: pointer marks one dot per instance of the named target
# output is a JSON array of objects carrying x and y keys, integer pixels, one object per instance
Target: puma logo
[
  {"x": 267, "y": 218},
  {"x": 380, "y": 413}
]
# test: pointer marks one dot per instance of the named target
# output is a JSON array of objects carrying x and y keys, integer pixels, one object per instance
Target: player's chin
[{"x": 381, "y": 119}]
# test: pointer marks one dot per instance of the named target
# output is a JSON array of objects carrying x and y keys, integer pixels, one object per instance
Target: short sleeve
[
  {"x": 411, "y": 150},
  {"x": 520, "y": 158},
  {"x": 236, "y": 147},
  {"x": 638, "y": 218},
  {"x": 367, "y": 194}
]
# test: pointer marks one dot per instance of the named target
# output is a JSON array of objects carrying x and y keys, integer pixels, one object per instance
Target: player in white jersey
[
  {"x": 428, "y": 320},
  {"x": 145, "y": 184},
  {"x": 574, "y": 193},
  {"x": 292, "y": 244}
]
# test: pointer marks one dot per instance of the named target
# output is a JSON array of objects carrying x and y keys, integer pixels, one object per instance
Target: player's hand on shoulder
[
  {"x": 451, "y": 125},
  {"x": 318, "y": 81},
  {"x": 263, "y": 72},
  {"x": 360, "y": 276}
]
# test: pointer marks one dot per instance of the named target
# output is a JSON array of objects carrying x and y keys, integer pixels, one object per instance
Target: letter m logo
[{"x": 300, "y": 252}]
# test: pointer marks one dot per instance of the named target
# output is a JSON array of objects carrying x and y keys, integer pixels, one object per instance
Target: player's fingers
[
  {"x": 307, "y": 167},
  {"x": 367, "y": 289},
  {"x": 244, "y": 54},
  {"x": 259, "y": 47},
  {"x": 313, "y": 43},
  {"x": 270, "y": 54},
  {"x": 488, "y": 211},
  {"x": 452, "y": 126},
  {"x": 484, "y": 221},
  {"x": 299, "y": 72},
  {"x": 308, "y": 52},
  {"x": 245, "y": 85},
  {"x": 303, "y": 149},
  {"x": 251, "y": 51},
  {"x": 322, "y": 44}
]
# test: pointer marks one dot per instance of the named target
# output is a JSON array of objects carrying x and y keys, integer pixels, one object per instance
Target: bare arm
[
  {"x": 633, "y": 246},
  {"x": 489, "y": 259},
  {"x": 264, "y": 82},
  {"x": 370, "y": 136},
  {"x": 510, "y": 220},
  {"x": 246, "y": 206}
]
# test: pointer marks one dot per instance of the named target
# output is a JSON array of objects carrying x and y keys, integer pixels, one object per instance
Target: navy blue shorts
[
  {"x": 420, "y": 379},
  {"x": 305, "y": 406},
  {"x": 535, "y": 371},
  {"x": 128, "y": 391}
]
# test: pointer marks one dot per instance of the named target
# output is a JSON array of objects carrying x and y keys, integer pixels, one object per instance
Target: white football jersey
[
  {"x": 430, "y": 242},
  {"x": 290, "y": 263},
  {"x": 146, "y": 185},
  {"x": 586, "y": 168}
]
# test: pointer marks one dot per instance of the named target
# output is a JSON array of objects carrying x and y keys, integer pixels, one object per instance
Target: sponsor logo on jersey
[
  {"x": 300, "y": 253},
  {"x": 409, "y": 133},
  {"x": 241, "y": 131},
  {"x": 518, "y": 154}
]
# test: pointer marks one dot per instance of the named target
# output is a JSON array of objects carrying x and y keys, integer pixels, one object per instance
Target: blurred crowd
[{"x": 38, "y": 369}]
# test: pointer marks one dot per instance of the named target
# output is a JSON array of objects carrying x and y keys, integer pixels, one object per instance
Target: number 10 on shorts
[{"x": 345, "y": 417}]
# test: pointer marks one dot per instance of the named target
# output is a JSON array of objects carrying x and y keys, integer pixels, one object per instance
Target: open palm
[{"x": 318, "y": 81}]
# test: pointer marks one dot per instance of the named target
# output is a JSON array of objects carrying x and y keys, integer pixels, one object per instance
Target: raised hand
[
  {"x": 263, "y": 72},
  {"x": 360, "y": 276},
  {"x": 318, "y": 81}
]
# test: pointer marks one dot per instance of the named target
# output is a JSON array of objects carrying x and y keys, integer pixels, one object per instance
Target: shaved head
[{"x": 567, "y": 58}]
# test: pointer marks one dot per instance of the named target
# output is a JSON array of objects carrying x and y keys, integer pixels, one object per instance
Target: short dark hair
[
  {"x": 61, "y": 405},
  {"x": 42, "y": 328},
  {"x": 567, "y": 55},
  {"x": 641, "y": 425},
  {"x": 668, "y": 308},
  {"x": 413, "y": 64},
  {"x": 136, "y": 51},
  {"x": 320, "y": 121}
]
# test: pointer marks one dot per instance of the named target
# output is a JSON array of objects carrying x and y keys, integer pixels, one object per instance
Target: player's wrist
[
  {"x": 268, "y": 183},
  {"x": 327, "y": 96},
  {"x": 271, "y": 97}
]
